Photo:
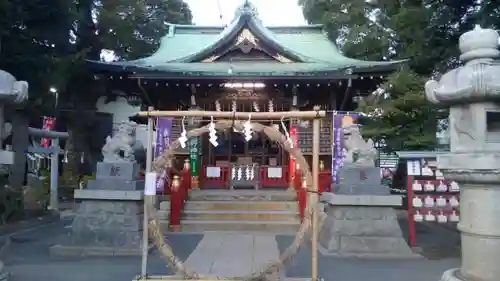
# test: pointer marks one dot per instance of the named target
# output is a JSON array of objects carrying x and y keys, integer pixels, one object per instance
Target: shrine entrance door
[{"x": 245, "y": 164}]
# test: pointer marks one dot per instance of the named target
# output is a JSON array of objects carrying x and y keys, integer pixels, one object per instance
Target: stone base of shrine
[
  {"x": 362, "y": 226},
  {"x": 107, "y": 223}
]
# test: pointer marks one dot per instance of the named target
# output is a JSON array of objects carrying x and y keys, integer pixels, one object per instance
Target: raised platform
[
  {"x": 362, "y": 226},
  {"x": 109, "y": 219}
]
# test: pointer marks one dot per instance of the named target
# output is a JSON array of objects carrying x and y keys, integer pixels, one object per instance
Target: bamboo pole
[
  {"x": 315, "y": 174},
  {"x": 145, "y": 234},
  {"x": 238, "y": 115}
]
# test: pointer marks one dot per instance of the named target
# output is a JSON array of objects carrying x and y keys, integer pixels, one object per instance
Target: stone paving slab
[
  {"x": 28, "y": 259},
  {"x": 355, "y": 269},
  {"x": 233, "y": 254}
]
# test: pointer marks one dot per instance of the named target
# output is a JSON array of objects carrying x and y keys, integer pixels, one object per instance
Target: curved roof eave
[
  {"x": 274, "y": 27},
  {"x": 354, "y": 68},
  {"x": 233, "y": 30},
  {"x": 120, "y": 66},
  {"x": 377, "y": 66}
]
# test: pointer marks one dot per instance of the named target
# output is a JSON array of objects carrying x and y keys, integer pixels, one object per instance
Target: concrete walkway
[{"x": 233, "y": 254}]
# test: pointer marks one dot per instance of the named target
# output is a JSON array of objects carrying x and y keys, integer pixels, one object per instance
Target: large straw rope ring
[{"x": 166, "y": 252}]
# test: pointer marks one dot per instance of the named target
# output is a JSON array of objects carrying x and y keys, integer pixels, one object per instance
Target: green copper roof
[
  {"x": 308, "y": 41},
  {"x": 308, "y": 46}
]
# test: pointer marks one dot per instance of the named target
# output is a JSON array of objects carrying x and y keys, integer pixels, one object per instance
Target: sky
[{"x": 272, "y": 12}]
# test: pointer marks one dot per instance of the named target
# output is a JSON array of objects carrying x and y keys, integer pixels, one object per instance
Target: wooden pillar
[
  {"x": 333, "y": 99},
  {"x": 230, "y": 145},
  {"x": 314, "y": 195},
  {"x": 148, "y": 199},
  {"x": 210, "y": 153}
]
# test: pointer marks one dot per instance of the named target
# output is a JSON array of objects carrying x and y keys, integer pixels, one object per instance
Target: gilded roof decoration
[{"x": 246, "y": 35}]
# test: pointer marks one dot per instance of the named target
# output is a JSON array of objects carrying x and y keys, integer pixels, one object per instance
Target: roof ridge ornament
[{"x": 246, "y": 8}]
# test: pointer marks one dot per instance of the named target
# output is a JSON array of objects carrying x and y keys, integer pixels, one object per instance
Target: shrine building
[{"x": 245, "y": 66}]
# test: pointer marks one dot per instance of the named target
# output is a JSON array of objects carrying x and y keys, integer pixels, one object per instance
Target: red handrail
[
  {"x": 301, "y": 193},
  {"x": 325, "y": 181},
  {"x": 179, "y": 192}
]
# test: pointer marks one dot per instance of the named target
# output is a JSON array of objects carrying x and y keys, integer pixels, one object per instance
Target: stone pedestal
[
  {"x": 356, "y": 180},
  {"x": 360, "y": 217},
  {"x": 109, "y": 218}
]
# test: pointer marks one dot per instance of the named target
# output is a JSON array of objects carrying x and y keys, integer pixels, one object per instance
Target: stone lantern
[
  {"x": 472, "y": 92},
  {"x": 11, "y": 91}
]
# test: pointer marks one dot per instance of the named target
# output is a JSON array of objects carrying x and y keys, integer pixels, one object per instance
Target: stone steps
[
  {"x": 163, "y": 211},
  {"x": 242, "y": 195},
  {"x": 239, "y": 210},
  {"x": 223, "y": 205},
  {"x": 239, "y": 215},
  {"x": 232, "y": 225}
]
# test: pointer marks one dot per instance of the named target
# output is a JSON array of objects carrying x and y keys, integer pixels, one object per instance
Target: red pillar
[
  {"x": 301, "y": 193},
  {"x": 292, "y": 163},
  {"x": 175, "y": 204}
]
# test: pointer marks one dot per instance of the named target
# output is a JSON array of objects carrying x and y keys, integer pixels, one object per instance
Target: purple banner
[
  {"x": 338, "y": 153},
  {"x": 337, "y": 149},
  {"x": 162, "y": 142}
]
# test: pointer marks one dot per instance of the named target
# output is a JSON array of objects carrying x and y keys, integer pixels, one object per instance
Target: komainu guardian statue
[
  {"x": 358, "y": 151},
  {"x": 122, "y": 146}
]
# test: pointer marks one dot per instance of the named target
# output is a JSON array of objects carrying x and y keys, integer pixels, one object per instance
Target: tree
[
  {"x": 351, "y": 25},
  {"x": 399, "y": 114},
  {"x": 424, "y": 31},
  {"x": 34, "y": 42},
  {"x": 133, "y": 29},
  {"x": 46, "y": 43},
  {"x": 129, "y": 28}
]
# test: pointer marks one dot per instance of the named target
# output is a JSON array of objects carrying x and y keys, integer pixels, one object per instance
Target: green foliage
[
  {"x": 33, "y": 39},
  {"x": 86, "y": 178},
  {"x": 400, "y": 115},
  {"x": 425, "y": 32},
  {"x": 350, "y": 24},
  {"x": 132, "y": 29},
  {"x": 11, "y": 204},
  {"x": 46, "y": 42}
]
